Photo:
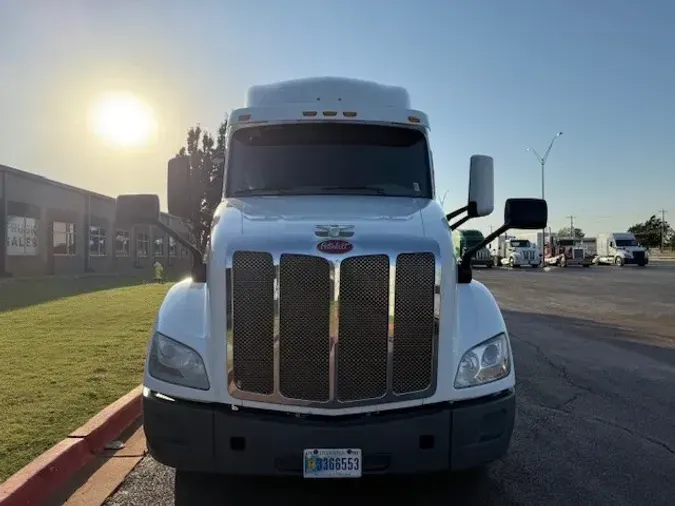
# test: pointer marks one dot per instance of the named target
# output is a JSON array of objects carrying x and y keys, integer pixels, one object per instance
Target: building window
[
  {"x": 63, "y": 238},
  {"x": 22, "y": 236},
  {"x": 122, "y": 244},
  {"x": 142, "y": 245},
  {"x": 97, "y": 241},
  {"x": 173, "y": 249},
  {"x": 158, "y": 247}
]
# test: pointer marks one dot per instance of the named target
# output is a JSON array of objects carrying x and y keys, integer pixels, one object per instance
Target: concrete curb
[{"x": 41, "y": 478}]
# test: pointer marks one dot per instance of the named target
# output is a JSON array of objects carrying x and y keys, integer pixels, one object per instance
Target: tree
[
  {"x": 207, "y": 163},
  {"x": 565, "y": 232},
  {"x": 649, "y": 233}
]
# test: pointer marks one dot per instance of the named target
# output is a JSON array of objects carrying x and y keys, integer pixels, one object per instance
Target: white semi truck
[
  {"x": 332, "y": 333},
  {"x": 620, "y": 248},
  {"x": 516, "y": 252}
]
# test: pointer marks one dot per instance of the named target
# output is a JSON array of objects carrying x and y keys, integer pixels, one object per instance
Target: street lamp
[{"x": 542, "y": 162}]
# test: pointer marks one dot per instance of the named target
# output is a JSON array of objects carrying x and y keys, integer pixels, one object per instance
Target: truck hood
[{"x": 300, "y": 214}]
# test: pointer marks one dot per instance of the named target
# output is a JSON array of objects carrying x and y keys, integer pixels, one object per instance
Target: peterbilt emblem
[
  {"x": 334, "y": 246},
  {"x": 334, "y": 230}
]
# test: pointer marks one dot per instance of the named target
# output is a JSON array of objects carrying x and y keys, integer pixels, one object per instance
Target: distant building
[{"x": 53, "y": 228}]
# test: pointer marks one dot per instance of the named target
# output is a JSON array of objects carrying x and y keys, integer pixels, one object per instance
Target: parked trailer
[
  {"x": 564, "y": 251},
  {"x": 240, "y": 382},
  {"x": 620, "y": 248}
]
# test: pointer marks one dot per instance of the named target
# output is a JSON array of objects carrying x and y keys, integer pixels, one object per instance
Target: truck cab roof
[{"x": 328, "y": 99}]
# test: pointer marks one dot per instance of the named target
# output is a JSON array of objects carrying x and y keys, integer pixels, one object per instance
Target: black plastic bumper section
[{"x": 213, "y": 438}]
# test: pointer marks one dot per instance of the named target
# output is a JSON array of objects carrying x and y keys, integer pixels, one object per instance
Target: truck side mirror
[
  {"x": 481, "y": 186},
  {"x": 137, "y": 209},
  {"x": 526, "y": 213},
  {"x": 179, "y": 189}
]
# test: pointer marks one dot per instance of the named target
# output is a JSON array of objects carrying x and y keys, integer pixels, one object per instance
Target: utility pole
[
  {"x": 572, "y": 231},
  {"x": 663, "y": 227}
]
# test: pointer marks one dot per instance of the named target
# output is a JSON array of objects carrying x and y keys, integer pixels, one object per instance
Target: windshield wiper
[
  {"x": 275, "y": 191},
  {"x": 374, "y": 189},
  {"x": 289, "y": 190}
]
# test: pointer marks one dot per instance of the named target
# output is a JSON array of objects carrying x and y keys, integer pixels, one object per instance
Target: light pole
[{"x": 542, "y": 162}]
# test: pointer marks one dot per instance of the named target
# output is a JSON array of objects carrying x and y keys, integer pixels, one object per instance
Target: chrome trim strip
[
  {"x": 334, "y": 329},
  {"x": 277, "y": 314},
  {"x": 413, "y": 245},
  {"x": 391, "y": 329}
]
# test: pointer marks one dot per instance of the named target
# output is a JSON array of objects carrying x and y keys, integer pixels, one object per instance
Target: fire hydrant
[{"x": 158, "y": 272}]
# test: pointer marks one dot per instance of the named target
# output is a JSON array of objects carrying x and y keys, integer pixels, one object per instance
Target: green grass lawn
[{"x": 67, "y": 349}]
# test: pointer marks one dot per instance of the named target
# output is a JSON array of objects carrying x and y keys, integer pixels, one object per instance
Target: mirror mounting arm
[
  {"x": 198, "y": 265},
  {"x": 460, "y": 222},
  {"x": 464, "y": 272},
  {"x": 456, "y": 213}
]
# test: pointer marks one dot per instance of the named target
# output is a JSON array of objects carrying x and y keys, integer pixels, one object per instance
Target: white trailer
[
  {"x": 329, "y": 196},
  {"x": 620, "y": 248}
]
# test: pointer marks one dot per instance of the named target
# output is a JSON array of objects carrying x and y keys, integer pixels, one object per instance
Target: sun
[{"x": 122, "y": 119}]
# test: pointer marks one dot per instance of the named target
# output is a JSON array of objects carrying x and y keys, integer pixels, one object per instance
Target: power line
[{"x": 571, "y": 226}]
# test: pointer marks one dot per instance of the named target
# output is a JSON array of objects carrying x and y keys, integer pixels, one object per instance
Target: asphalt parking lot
[{"x": 595, "y": 360}]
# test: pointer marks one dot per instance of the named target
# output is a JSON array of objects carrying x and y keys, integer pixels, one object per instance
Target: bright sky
[{"x": 494, "y": 76}]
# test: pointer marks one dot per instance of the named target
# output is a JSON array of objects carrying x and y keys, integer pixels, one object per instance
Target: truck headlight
[
  {"x": 486, "y": 362},
  {"x": 176, "y": 363}
]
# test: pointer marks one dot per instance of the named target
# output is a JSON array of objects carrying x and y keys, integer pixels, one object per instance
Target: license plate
[{"x": 332, "y": 463}]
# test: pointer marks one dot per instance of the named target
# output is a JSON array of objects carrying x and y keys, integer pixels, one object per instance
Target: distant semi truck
[
  {"x": 516, "y": 252},
  {"x": 620, "y": 248},
  {"x": 465, "y": 239},
  {"x": 564, "y": 251}
]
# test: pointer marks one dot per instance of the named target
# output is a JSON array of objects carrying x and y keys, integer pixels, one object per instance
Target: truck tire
[
  {"x": 198, "y": 488},
  {"x": 489, "y": 264},
  {"x": 587, "y": 265},
  {"x": 618, "y": 261},
  {"x": 641, "y": 265}
]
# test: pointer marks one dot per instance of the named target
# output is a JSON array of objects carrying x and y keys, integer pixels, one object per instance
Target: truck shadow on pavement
[{"x": 430, "y": 491}]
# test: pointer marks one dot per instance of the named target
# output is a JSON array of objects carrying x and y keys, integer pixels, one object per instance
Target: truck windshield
[
  {"x": 520, "y": 244},
  {"x": 623, "y": 243},
  {"x": 328, "y": 159}
]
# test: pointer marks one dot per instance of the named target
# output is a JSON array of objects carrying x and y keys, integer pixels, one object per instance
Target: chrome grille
[
  {"x": 253, "y": 321},
  {"x": 304, "y": 344},
  {"x": 364, "y": 326},
  {"x": 349, "y": 330},
  {"x": 413, "y": 322}
]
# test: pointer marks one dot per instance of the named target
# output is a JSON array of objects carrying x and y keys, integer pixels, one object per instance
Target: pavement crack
[
  {"x": 650, "y": 439},
  {"x": 560, "y": 406},
  {"x": 557, "y": 367}
]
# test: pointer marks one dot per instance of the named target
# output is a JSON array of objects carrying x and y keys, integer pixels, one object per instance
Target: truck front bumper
[{"x": 212, "y": 438}]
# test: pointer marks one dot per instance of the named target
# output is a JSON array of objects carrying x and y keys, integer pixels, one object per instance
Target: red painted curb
[
  {"x": 111, "y": 421},
  {"x": 41, "y": 478}
]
